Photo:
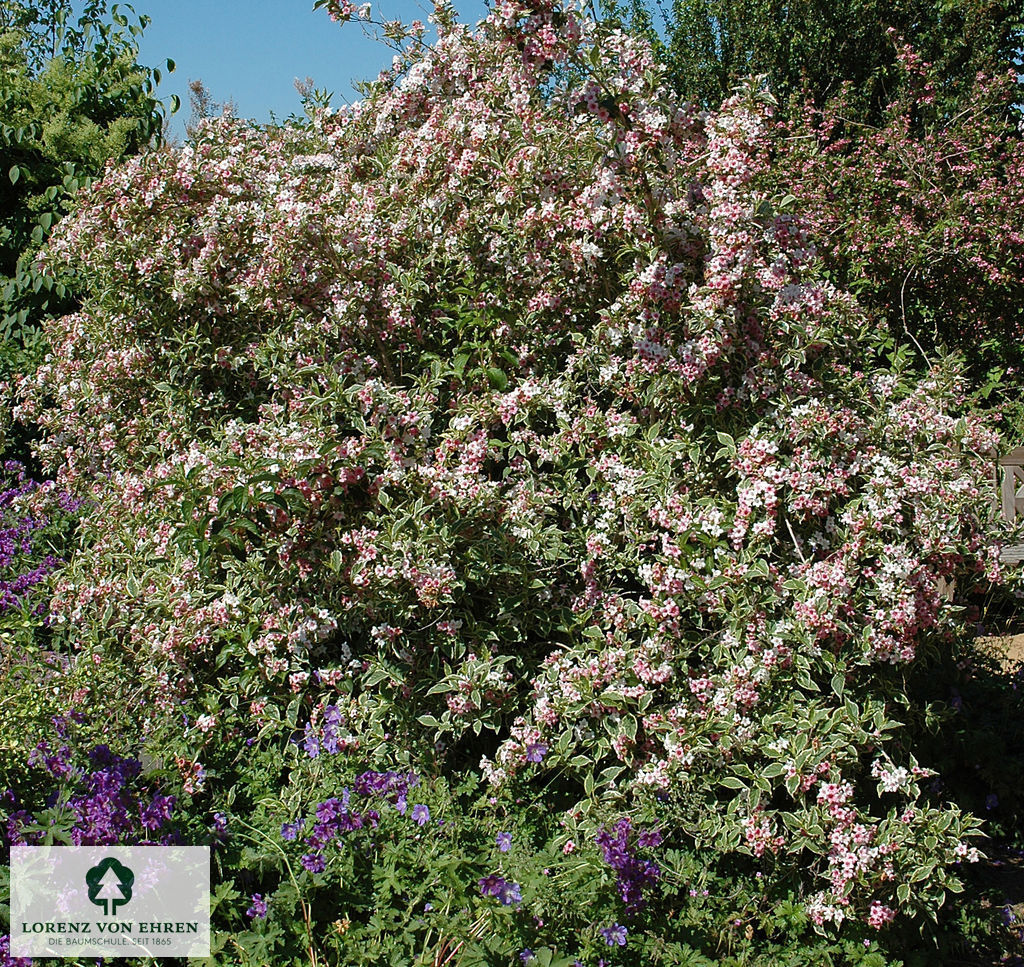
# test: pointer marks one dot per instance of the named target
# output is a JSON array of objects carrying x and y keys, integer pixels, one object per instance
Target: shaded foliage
[{"x": 808, "y": 48}]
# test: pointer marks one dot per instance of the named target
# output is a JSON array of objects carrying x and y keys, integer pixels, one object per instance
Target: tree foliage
[
  {"x": 808, "y": 48},
  {"x": 73, "y": 98},
  {"x": 920, "y": 215},
  {"x": 902, "y": 150}
]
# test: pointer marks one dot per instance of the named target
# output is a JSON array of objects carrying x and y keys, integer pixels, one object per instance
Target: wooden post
[
  {"x": 1012, "y": 466},
  {"x": 1011, "y": 499}
]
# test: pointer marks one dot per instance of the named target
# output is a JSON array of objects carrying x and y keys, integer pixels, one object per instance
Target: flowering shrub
[
  {"x": 920, "y": 214},
  {"x": 500, "y": 431}
]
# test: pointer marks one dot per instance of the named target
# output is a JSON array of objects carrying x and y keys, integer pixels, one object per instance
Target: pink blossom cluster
[{"x": 505, "y": 399}]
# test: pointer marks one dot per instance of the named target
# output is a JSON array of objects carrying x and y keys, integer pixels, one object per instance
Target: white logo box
[{"x": 110, "y": 901}]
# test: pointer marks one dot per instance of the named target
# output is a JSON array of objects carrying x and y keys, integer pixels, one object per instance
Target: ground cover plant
[{"x": 514, "y": 547}]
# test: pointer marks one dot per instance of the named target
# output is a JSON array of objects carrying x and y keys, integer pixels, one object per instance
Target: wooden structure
[{"x": 1011, "y": 498}]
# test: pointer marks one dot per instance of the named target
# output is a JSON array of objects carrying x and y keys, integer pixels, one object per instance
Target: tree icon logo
[{"x": 110, "y": 885}]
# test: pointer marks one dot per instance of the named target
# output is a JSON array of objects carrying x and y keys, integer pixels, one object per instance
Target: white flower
[{"x": 206, "y": 722}]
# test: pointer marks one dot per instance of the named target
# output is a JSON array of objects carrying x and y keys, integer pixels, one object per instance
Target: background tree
[
  {"x": 73, "y": 97},
  {"x": 202, "y": 106},
  {"x": 809, "y": 47},
  {"x": 920, "y": 216}
]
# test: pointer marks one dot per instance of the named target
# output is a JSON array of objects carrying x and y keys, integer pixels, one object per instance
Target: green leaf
[
  {"x": 731, "y": 782},
  {"x": 497, "y": 378},
  {"x": 375, "y": 677},
  {"x": 628, "y": 725},
  {"x": 14, "y": 174}
]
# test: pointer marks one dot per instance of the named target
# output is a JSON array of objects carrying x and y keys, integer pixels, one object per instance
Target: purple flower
[
  {"x": 649, "y": 839},
  {"x": 5, "y": 954},
  {"x": 504, "y": 891},
  {"x": 23, "y": 561},
  {"x": 338, "y": 816},
  {"x": 331, "y": 743},
  {"x": 634, "y": 875},
  {"x": 614, "y": 935},
  {"x": 420, "y": 815},
  {"x": 314, "y": 862},
  {"x": 329, "y": 810},
  {"x": 536, "y": 752},
  {"x": 258, "y": 908},
  {"x": 104, "y": 801},
  {"x": 290, "y": 830},
  {"x": 504, "y": 841},
  {"x": 526, "y": 955},
  {"x": 311, "y": 743},
  {"x": 159, "y": 811},
  {"x": 332, "y": 715},
  {"x": 392, "y": 786},
  {"x": 991, "y": 801}
]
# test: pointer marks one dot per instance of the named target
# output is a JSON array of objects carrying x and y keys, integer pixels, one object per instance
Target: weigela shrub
[
  {"x": 500, "y": 426},
  {"x": 919, "y": 213}
]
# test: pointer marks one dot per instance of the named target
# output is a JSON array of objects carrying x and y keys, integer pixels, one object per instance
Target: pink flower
[{"x": 880, "y": 915}]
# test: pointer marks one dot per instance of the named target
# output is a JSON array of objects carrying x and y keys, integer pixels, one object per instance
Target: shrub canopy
[
  {"x": 808, "y": 50},
  {"x": 501, "y": 424}
]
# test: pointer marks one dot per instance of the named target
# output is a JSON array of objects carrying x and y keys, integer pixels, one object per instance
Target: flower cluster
[
  {"x": 633, "y": 876},
  {"x": 6, "y": 960},
  {"x": 105, "y": 801},
  {"x": 504, "y": 891},
  {"x": 339, "y": 815},
  {"x": 25, "y": 514},
  {"x": 328, "y": 738}
]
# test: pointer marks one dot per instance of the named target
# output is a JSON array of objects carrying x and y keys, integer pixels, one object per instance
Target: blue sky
[{"x": 252, "y": 51}]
